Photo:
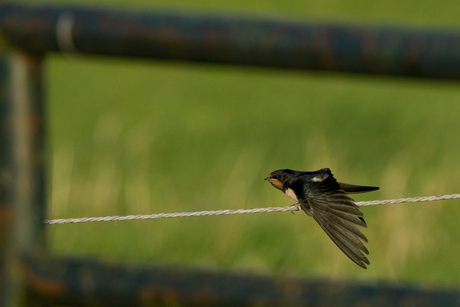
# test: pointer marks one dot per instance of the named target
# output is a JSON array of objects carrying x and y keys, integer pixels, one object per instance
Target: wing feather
[
  {"x": 319, "y": 205},
  {"x": 353, "y": 255}
]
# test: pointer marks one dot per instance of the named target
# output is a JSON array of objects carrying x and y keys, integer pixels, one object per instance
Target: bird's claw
[{"x": 295, "y": 207}]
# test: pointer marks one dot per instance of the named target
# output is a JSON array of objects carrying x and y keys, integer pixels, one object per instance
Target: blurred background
[{"x": 141, "y": 137}]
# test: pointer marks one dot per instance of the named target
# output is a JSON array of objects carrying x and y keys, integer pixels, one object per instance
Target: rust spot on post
[{"x": 47, "y": 287}]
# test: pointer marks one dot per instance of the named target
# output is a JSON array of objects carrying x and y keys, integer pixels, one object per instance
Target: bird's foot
[{"x": 295, "y": 207}]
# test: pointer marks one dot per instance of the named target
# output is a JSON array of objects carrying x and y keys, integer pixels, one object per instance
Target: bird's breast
[{"x": 289, "y": 192}]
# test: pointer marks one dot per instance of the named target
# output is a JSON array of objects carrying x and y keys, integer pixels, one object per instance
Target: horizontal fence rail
[
  {"x": 184, "y": 36},
  {"x": 84, "y": 282}
]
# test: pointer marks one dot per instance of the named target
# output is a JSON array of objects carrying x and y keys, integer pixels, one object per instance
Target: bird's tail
[{"x": 354, "y": 189}]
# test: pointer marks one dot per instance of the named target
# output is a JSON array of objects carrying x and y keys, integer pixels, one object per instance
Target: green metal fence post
[{"x": 22, "y": 190}]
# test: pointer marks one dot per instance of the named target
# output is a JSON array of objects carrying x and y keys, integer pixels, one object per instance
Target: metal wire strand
[{"x": 239, "y": 211}]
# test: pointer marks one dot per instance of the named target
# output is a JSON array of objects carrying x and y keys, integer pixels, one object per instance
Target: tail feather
[{"x": 353, "y": 189}]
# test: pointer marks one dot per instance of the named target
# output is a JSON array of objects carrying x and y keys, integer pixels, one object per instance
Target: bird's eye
[{"x": 278, "y": 177}]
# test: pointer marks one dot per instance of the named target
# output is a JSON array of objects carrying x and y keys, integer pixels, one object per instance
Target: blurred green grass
[{"x": 140, "y": 137}]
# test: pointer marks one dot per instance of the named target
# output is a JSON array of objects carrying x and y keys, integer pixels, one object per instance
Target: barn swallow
[{"x": 327, "y": 201}]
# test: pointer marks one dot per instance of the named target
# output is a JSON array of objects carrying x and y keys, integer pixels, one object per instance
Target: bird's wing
[{"x": 336, "y": 213}]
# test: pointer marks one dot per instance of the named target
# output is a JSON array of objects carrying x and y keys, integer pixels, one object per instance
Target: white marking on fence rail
[{"x": 64, "y": 35}]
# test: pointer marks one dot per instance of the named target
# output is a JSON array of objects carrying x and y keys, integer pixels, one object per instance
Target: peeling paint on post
[{"x": 22, "y": 192}]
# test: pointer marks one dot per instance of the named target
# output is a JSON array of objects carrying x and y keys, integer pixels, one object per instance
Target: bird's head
[{"x": 280, "y": 177}]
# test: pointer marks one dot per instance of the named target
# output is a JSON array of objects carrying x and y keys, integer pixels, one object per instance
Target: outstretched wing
[{"x": 336, "y": 213}]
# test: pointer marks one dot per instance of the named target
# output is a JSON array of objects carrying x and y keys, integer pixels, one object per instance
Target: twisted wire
[{"x": 239, "y": 211}]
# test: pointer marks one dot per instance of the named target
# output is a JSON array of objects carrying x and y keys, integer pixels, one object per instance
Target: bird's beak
[{"x": 268, "y": 178}]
